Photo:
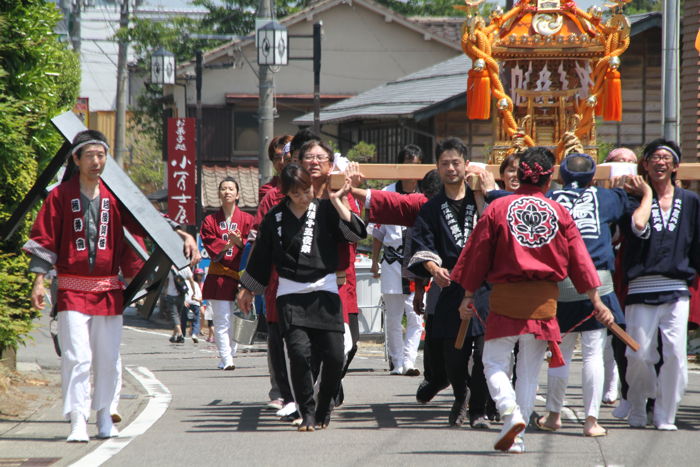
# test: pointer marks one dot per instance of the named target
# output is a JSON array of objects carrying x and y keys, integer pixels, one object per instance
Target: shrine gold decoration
[{"x": 565, "y": 61}]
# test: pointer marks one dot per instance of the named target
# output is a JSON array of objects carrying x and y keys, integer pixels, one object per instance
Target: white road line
[
  {"x": 145, "y": 331},
  {"x": 160, "y": 398}
]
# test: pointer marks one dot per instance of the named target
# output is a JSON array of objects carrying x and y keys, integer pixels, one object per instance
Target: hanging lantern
[
  {"x": 162, "y": 67},
  {"x": 273, "y": 44}
]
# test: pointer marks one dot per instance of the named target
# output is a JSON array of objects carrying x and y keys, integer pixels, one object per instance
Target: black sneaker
[
  {"x": 480, "y": 423},
  {"x": 426, "y": 391},
  {"x": 180, "y": 339},
  {"x": 412, "y": 372},
  {"x": 458, "y": 413},
  {"x": 339, "y": 397},
  {"x": 291, "y": 417},
  {"x": 172, "y": 339}
]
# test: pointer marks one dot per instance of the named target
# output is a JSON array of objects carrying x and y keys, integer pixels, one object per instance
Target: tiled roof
[
  {"x": 449, "y": 28},
  {"x": 425, "y": 89},
  {"x": 247, "y": 178},
  {"x": 402, "y": 97}
]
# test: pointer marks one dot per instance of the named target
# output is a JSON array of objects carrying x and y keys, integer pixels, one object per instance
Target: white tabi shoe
[
  {"x": 637, "y": 417},
  {"x": 518, "y": 446},
  {"x": 667, "y": 427},
  {"x": 622, "y": 410},
  {"x": 288, "y": 409},
  {"x": 105, "y": 426},
  {"x": 513, "y": 424},
  {"x": 398, "y": 370},
  {"x": 78, "y": 428}
]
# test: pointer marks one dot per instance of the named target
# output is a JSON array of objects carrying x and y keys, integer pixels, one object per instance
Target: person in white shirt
[
  {"x": 398, "y": 299},
  {"x": 193, "y": 300}
]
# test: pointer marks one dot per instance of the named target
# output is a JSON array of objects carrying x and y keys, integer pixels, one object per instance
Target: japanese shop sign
[{"x": 181, "y": 170}]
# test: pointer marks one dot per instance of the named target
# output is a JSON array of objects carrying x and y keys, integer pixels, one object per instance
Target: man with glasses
[
  {"x": 317, "y": 158},
  {"x": 396, "y": 293},
  {"x": 662, "y": 256}
]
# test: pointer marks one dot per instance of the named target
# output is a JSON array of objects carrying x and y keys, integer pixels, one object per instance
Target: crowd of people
[{"x": 526, "y": 268}]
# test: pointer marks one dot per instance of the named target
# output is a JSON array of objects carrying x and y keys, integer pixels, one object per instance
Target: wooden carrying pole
[{"x": 686, "y": 171}]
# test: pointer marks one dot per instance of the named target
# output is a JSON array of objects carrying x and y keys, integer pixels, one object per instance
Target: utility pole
[
  {"x": 669, "y": 64},
  {"x": 265, "y": 105},
  {"x": 198, "y": 185},
  {"x": 74, "y": 11},
  {"x": 317, "y": 77},
  {"x": 120, "y": 121}
]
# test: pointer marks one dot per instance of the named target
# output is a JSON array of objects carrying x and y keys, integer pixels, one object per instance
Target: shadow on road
[{"x": 220, "y": 416}]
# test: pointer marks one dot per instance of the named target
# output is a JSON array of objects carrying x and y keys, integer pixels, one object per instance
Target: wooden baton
[
  {"x": 462, "y": 334},
  {"x": 623, "y": 336}
]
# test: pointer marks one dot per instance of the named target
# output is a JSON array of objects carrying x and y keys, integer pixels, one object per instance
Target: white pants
[
  {"x": 402, "y": 351},
  {"x": 114, "y": 406},
  {"x": 612, "y": 377},
  {"x": 497, "y": 362},
  {"x": 643, "y": 323},
  {"x": 227, "y": 347},
  {"x": 88, "y": 343},
  {"x": 592, "y": 345}
]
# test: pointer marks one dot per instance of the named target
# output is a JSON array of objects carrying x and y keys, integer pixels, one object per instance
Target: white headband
[
  {"x": 287, "y": 148},
  {"x": 675, "y": 155},
  {"x": 92, "y": 141}
]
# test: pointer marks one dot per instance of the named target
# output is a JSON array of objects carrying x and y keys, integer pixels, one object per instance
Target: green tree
[
  {"x": 643, "y": 6},
  {"x": 235, "y": 17},
  {"x": 39, "y": 78}
]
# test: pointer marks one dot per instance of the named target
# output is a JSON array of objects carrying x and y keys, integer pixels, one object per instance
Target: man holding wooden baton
[{"x": 524, "y": 244}]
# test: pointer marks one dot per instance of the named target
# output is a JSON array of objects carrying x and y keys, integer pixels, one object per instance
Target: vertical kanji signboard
[{"x": 181, "y": 170}]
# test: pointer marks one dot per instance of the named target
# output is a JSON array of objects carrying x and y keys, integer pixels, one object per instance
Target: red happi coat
[
  {"x": 346, "y": 260},
  {"x": 524, "y": 237},
  {"x": 58, "y": 236},
  {"x": 274, "y": 183},
  {"x": 272, "y": 198},
  {"x": 392, "y": 208},
  {"x": 214, "y": 234}
]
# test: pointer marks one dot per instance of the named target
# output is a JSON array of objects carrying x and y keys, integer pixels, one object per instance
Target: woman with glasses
[{"x": 299, "y": 238}]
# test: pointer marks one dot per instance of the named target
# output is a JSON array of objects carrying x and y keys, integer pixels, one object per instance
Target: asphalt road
[{"x": 212, "y": 417}]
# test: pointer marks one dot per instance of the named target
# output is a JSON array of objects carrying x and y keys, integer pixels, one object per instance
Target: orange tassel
[
  {"x": 470, "y": 86},
  {"x": 479, "y": 95},
  {"x": 612, "y": 108},
  {"x": 599, "y": 104}
]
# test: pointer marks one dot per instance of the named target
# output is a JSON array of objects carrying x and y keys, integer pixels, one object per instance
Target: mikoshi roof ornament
[{"x": 556, "y": 61}]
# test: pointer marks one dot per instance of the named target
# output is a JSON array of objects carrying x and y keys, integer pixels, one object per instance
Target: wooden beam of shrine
[{"x": 686, "y": 171}]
